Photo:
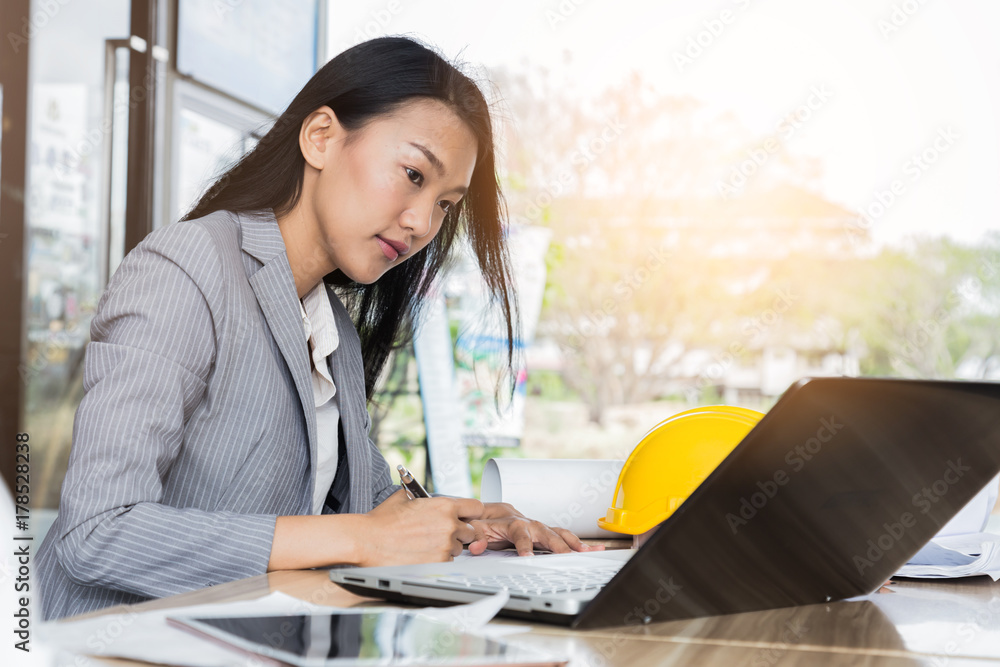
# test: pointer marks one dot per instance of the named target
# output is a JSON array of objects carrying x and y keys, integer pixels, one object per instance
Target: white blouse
[{"x": 321, "y": 333}]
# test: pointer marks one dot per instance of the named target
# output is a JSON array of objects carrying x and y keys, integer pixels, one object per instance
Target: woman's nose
[{"x": 419, "y": 220}]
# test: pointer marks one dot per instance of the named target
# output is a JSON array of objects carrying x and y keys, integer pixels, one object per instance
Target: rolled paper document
[{"x": 567, "y": 493}]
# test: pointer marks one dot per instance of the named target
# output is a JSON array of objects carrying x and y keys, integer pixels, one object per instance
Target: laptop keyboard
[{"x": 539, "y": 583}]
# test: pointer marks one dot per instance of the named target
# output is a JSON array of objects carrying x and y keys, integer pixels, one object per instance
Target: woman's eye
[
  {"x": 415, "y": 176},
  {"x": 446, "y": 206}
]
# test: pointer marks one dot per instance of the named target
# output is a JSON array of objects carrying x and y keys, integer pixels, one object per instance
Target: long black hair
[{"x": 366, "y": 81}]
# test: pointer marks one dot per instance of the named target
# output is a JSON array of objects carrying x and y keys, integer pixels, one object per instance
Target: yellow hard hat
[{"x": 671, "y": 461}]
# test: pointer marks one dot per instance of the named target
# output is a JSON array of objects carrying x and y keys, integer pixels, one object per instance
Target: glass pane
[
  {"x": 66, "y": 234},
  {"x": 206, "y": 148},
  {"x": 119, "y": 160},
  {"x": 259, "y": 51}
]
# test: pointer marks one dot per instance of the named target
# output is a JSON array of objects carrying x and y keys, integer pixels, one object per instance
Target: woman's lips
[{"x": 387, "y": 249}]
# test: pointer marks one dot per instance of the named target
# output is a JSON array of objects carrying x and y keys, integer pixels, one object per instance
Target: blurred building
[
  {"x": 761, "y": 225},
  {"x": 729, "y": 249}
]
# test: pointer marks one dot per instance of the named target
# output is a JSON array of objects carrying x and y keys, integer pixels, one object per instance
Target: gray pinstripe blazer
[{"x": 192, "y": 437}]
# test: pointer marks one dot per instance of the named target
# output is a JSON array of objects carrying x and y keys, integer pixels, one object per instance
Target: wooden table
[{"x": 955, "y": 623}]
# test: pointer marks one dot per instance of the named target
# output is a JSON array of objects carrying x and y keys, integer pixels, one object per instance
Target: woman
[{"x": 224, "y": 429}]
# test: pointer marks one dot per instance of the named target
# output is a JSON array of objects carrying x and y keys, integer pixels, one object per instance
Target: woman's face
[{"x": 381, "y": 192}]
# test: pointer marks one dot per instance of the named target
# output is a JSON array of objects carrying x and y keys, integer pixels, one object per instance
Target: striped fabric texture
[{"x": 197, "y": 429}]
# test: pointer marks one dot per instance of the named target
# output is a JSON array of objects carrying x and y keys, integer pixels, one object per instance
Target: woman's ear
[{"x": 319, "y": 131}]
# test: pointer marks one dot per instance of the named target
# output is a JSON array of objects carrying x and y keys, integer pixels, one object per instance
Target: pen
[{"x": 412, "y": 486}]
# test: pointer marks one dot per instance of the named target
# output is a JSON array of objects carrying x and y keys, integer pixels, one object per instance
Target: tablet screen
[{"x": 383, "y": 637}]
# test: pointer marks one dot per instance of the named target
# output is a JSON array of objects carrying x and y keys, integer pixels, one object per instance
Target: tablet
[{"x": 359, "y": 637}]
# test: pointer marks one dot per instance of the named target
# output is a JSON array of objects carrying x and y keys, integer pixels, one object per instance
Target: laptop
[{"x": 839, "y": 485}]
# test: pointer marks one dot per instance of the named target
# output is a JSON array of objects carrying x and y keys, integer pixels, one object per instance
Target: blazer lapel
[
  {"x": 274, "y": 287},
  {"x": 347, "y": 370}
]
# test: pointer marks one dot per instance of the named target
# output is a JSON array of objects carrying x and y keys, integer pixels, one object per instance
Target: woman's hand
[
  {"x": 401, "y": 531},
  {"x": 501, "y": 526}
]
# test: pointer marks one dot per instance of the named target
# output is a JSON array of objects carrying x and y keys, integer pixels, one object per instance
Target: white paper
[
  {"x": 961, "y": 548},
  {"x": 568, "y": 493},
  {"x": 956, "y": 556},
  {"x": 147, "y": 636}
]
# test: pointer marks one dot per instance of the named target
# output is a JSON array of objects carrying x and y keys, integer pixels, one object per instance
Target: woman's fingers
[
  {"x": 574, "y": 542},
  {"x": 519, "y": 533},
  {"x": 527, "y": 535},
  {"x": 502, "y": 520},
  {"x": 555, "y": 542},
  {"x": 480, "y": 541},
  {"x": 468, "y": 508},
  {"x": 465, "y": 533}
]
